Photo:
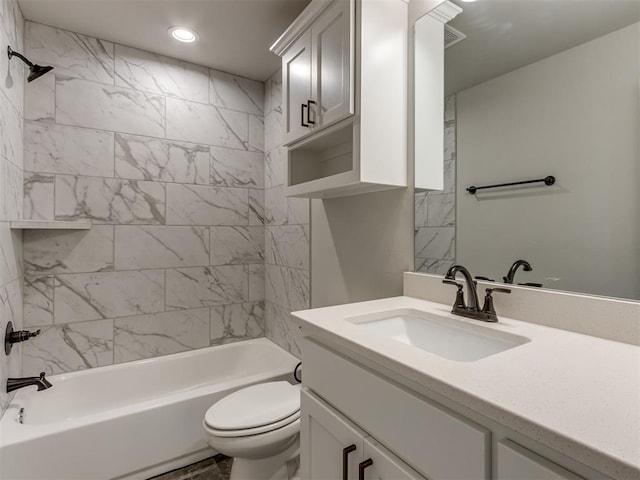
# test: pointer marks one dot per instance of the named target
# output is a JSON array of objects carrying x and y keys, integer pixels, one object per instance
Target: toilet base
[{"x": 271, "y": 468}]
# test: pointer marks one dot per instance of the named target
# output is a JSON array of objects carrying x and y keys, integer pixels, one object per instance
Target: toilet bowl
[{"x": 260, "y": 427}]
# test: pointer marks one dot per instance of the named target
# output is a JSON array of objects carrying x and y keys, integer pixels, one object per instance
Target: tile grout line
[
  {"x": 150, "y": 137},
  {"x": 141, "y": 180}
]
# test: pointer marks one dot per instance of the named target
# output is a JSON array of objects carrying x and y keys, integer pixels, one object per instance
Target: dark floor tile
[
  {"x": 225, "y": 467},
  {"x": 211, "y": 473},
  {"x": 213, "y": 468}
]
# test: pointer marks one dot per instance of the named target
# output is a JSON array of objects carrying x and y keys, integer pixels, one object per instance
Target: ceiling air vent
[{"x": 452, "y": 36}]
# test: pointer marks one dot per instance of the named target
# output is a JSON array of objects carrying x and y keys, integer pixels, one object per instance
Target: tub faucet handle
[{"x": 12, "y": 336}]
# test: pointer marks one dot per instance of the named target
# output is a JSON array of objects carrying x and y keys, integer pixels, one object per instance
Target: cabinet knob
[
  {"x": 303, "y": 106},
  {"x": 363, "y": 465},
  {"x": 345, "y": 460}
]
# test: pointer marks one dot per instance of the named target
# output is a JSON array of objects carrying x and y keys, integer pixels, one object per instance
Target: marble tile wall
[
  {"x": 166, "y": 159},
  {"x": 287, "y": 239},
  {"x": 435, "y": 212},
  {"x": 11, "y": 174}
]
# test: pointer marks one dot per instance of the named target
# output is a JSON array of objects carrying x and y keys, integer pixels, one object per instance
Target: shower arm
[{"x": 11, "y": 53}]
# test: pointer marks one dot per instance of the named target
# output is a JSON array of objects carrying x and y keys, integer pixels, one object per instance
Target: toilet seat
[
  {"x": 254, "y": 410},
  {"x": 253, "y": 431}
]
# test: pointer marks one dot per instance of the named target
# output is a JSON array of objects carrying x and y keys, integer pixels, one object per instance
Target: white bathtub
[{"x": 132, "y": 420}]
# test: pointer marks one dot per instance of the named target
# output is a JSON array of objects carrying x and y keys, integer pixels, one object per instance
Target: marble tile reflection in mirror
[{"x": 537, "y": 89}]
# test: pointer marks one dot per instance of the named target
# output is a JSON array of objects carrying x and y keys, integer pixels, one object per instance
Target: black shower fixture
[{"x": 36, "y": 70}]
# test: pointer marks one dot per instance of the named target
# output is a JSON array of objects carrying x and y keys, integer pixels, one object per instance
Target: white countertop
[{"x": 577, "y": 394}]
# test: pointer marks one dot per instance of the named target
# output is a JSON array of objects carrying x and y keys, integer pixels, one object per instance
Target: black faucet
[
  {"x": 487, "y": 313},
  {"x": 471, "y": 285},
  {"x": 16, "y": 383},
  {"x": 514, "y": 267}
]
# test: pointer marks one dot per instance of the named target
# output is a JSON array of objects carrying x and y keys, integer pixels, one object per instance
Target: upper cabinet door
[
  {"x": 296, "y": 87},
  {"x": 333, "y": 62}
]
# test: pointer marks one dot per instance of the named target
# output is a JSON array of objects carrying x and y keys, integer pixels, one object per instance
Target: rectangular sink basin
[{"x": 440, "y": 335}]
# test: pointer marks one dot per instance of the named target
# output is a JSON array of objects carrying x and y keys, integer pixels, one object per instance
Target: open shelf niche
[{"x": 50, "y": 225}]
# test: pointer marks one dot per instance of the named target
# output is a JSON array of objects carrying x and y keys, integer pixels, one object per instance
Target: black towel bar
[{"x": 550, "y": 180}]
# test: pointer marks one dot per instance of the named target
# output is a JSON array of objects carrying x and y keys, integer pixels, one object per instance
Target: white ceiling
[
  {"x": 235, "y": 35},
  {"x": 503, "y": 35}
]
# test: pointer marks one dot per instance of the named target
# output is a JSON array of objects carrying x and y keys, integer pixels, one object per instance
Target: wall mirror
[{"x": 535, "y": 89}]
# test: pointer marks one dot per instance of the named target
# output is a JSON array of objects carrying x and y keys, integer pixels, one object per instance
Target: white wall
[
  {"x": 576, "y": 116},
  {"x": 360, "y": 246}
]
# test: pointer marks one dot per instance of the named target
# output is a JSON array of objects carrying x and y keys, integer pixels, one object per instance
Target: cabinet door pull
[
  {"x": 309, "y": 121},
  {"x": 304, "y": 105},
  {"x": 345, "y": 460},
  {"x": 367, "y": 463}
]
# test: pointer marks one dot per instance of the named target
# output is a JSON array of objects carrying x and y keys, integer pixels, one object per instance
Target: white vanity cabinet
[
  {"x": 318, "y": 73},
  {"x": 333, "y": 448},
  {"x": 353, "y": 417},
  {"x": 515, "y": 462},
  {"x": 344, "y": 65},
  {"x": 381, "y": 464}
]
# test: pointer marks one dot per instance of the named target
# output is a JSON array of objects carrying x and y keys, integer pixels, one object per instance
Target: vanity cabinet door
[
  {"x": 333, "y": 47},
  {"x": 380, "y": 464},
  {"x": 427, "y": 435},
  {"x": 326, "y": 440},
  {"x": 517, "y": 463},
  {"x": 296, "y": 88}
]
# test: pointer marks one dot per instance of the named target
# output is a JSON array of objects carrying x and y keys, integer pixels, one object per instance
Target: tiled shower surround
[
  {"x": 11, "y": 123},
  {"x": 166, "y": 159},
  {"x": 435, "y": 212}
]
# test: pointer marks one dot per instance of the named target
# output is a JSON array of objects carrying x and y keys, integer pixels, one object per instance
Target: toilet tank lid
[{"x": 254, "y": 406}]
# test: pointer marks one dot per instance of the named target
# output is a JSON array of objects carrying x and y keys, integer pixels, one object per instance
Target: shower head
[{"x": 35, "y": 71}]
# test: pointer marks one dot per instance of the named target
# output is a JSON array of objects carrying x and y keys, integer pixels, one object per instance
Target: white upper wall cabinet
[
  {"x": 428, "y": 95},
  {"x": 344, "y": 66}
]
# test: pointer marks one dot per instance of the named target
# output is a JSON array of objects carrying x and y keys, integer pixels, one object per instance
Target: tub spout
[{"x": 16, "y": 383}]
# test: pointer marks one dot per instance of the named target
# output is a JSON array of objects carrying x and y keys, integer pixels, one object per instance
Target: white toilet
[{"x": 260, "y": 427}]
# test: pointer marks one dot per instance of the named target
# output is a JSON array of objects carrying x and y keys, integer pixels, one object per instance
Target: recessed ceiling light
[{"x": 183, "y": 34}]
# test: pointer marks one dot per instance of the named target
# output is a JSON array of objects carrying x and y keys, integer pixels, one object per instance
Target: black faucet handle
[
  {"x": 453, "y": 282},
  {"x": 459, "y": 302},
  {"x": 486, "y": 279},
  {"x": 488, "y": 309},
  {"x": 497, "y": 290}
]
